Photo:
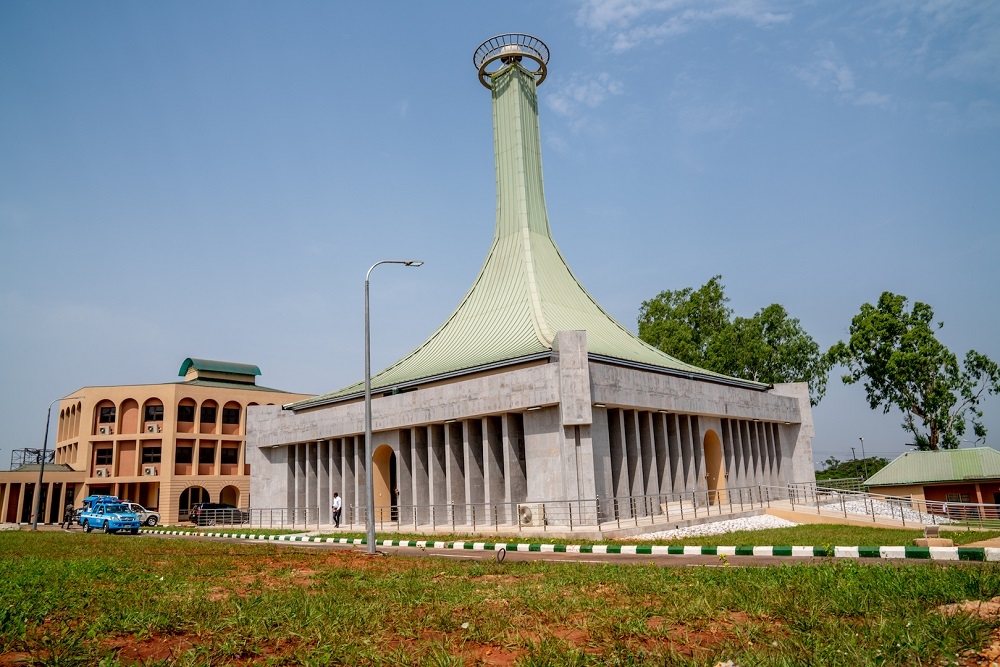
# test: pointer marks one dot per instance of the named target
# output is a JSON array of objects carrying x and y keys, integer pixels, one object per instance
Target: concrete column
[
  {"x": 514, "y": 462},
  {"x": 660, "y": 449},
  {"x": 619, "y": 464},
  {"x": 758, "y": 464},
  {"x": 361, "y": 464},
  {"x": 633, "y": 455},
  {"x": 749, "y": 479},
  {"x": 778, "y": 455},
  {"x": 698, "y": 447},
  {"x": 421, "y": 481},
  {"x": 647, "y": 454},
  {"x": 20, "y": 503},
  {"x": 4, "y": 500},
  {"x": 347, "y": 466},
  {"x": 337, "y": 471},
  {"x": 687, "y": 453},
  {"x": 726, "y": 435},
  {"x": 493, "y": 467},
  {"x": 312, "y": 480},
  {"x": 323, "y": 473},
  {"x": 674, "y": 453},
  {"x": 289, "y": 455},
  {"x": 300, "y": 477},
  {"x": 438, "y": 479},
  {"x": 600, "y": 441},
  {"x": 404, "y": 477},
  {"x": 475, "y": 475},
  {"x": 455, "y": 469}
]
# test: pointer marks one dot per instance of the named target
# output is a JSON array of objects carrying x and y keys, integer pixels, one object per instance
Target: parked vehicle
[
  {"x": 88, "y": 504},
  {"x": 111, "y": 517},
  {"x": 147, "y": 517},
  {"x": 210, "y": 514}
]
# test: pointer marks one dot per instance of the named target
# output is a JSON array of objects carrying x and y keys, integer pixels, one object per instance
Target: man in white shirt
[{"x": 337, "y": 505}]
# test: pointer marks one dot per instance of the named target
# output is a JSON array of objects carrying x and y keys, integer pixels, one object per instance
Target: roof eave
[{"x": 308, "y": 405}]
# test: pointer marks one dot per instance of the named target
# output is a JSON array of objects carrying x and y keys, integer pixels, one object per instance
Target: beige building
[{"x": 164, "y": 446}]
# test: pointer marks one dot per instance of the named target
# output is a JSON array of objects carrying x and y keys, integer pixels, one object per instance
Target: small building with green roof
[
  {"x": 529, "y": 392},
  {"x": 946, "y": 476}
]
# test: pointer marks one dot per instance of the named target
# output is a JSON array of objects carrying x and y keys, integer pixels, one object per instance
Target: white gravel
[
  {"x": 886, "y": 510},
  {"x": 762, "y": 522}
]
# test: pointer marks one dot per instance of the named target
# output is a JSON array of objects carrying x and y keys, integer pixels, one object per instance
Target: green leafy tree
[
  {"x": 895, "y": 353},
  {"x": 696, "y": 326},
  {"x": 770, "y": 347},
  {"x": 834, "y": 468},
  {"x": 684, "y": 322}
]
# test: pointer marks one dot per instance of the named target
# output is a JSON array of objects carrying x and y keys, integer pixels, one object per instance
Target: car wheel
[
  {"x": 107, "y": 527},
  {"x": 151, "y": 521},
  {"x": 86, "y": 526}
]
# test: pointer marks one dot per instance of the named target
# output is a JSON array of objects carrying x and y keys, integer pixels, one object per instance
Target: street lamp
[
  {"x": 41, "y": 470},
  {"x": 370, "y": 473},
  {"x": 864, "y": 459}
]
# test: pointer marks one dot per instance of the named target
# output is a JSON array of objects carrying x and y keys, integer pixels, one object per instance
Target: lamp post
[
  {"x": 41, "y": 469},
  {"x": 864, "y": 459},
  {"x": 370, "y": 473}
]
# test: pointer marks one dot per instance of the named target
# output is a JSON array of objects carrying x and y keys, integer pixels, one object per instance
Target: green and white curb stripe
[{"x": 910, "y": 553}]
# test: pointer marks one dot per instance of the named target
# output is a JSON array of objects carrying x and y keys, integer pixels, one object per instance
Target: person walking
[
  {"x": 338, "y": 504},
  {"x": 68, "y": 516}
]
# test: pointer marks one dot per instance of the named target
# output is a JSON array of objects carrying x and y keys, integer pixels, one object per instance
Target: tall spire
[{"x": 525, "y": 292}]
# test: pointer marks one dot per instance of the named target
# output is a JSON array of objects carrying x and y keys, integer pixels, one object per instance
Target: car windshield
[{"x": 109, "y": 509}]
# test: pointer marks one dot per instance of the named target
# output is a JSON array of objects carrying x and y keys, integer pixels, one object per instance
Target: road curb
[{"x": 989, "y": 554}]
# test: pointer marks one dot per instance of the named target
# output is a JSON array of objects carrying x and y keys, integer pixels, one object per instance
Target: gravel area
[
  {"x": 886, "y": 510},
  {"x": 762, "y": 522}
]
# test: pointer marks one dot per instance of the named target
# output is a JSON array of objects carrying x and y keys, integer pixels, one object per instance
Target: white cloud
[
  {"x": 829, "y": 72},
  {"x": 581, "y": 93},
  {"x": 632, "y": 22}
]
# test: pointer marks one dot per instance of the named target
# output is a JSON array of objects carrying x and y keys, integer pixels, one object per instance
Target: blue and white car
[{"x": 111, "y": 517}]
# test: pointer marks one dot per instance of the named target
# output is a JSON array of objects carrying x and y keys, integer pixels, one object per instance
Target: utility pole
[{"x": 864, "y": 460}]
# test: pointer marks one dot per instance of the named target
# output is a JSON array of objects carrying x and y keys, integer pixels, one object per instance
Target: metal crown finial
[{"x": 509, "y": 48}]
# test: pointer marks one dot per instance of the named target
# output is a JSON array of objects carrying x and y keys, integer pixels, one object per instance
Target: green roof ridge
[
  {"x": 217, "y": 367},
  {"x": 939, "y": 466},
  {"x": 525, "y": 292}
]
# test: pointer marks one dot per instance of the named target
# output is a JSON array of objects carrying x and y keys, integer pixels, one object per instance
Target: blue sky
[{"x": 214, "y": 179}]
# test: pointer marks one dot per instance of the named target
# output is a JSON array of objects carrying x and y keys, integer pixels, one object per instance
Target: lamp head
[{"x": 414, "y": 262}]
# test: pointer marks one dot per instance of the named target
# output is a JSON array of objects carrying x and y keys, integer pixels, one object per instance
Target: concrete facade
[{"x": 569, "y": 429}]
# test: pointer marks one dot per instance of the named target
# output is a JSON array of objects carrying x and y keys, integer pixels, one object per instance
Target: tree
[
  {"x": 903, "y": 365},
  {"x": 683, "y": 323},
  {"x": 770, "y": 347},
  {"x": 696, "y": 326},
  {"x": 834, "y": 468}
]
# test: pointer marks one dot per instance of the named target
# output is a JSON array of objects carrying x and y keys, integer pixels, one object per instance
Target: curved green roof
[
  {"x": 217, "y": 367},
  {"x": 525, "y": 292}
]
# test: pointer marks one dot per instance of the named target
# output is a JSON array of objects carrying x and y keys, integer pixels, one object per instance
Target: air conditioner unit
[
  {"x": 103, "y": 472},
  {"x": 149, "y": 471},
  {"x": 531, "y": 514},
  {"x": 152, "y": 428}
]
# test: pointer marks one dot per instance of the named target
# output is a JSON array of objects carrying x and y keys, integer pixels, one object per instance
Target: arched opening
[
  {"x": 384, "y": 474},
  {"x": 230, "y": 496},
  {"x": 232, "y": 414},
  {"x": 208, "y": 416},
  {"x": 715, "y": 470},
  {"x": 105, "y": 418},
  {"x": 189, "y": 497}
]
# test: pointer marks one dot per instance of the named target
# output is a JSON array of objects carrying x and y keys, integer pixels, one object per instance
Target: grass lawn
[{"x": 75, "y": 599}]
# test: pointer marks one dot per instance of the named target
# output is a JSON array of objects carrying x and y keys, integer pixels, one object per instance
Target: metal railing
[
  {"x": 617, "y": 513},
  {"x": 908, "y": 511}
]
